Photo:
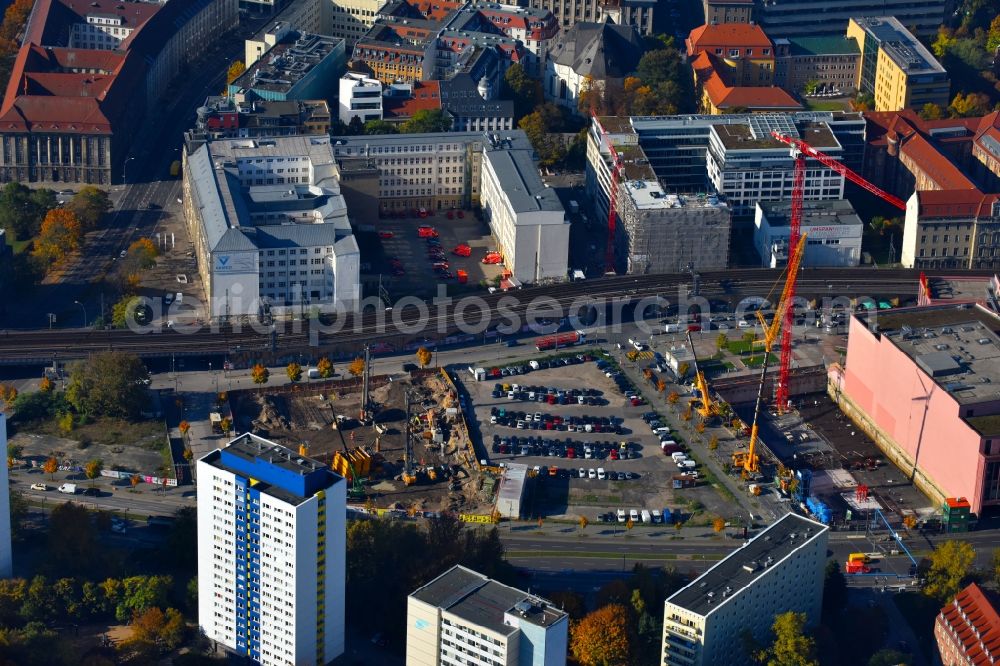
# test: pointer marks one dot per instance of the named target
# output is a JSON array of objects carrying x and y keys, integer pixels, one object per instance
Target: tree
[
  {"x": 65, "y": 423},
  {"x": 602, "y": 638},
  {"x": 713, "y": 443},
  {"x": 356, "y": 367},
  {"x": 184, "y": 427},
  {"x": 583, "y": 522},
  {"x": 188, "y": 454},
  {"x": 143, "y": 252},
  {"x": 259, "y": 374},
  {"x": 108, "y": 384},
  {"x": 226, "y": 424},
  {"x": 89, "y": 205},
  {"x": 294, "y": 371},
  {"x": 993, "y": 35},
  {"x": 124, "y": 311},
  {"x": 718, "y": 524},
  {"x": 135, "y": 480},
  {"x": 950, "y": 563},
  {"x": 424, "y": 356},
  {"x": 425, "y": 121},
  {"x": 659, "y": 66},
  {"x": 661, "y": 386},
  {"x": 22, "y": 209},
  {"x": 236, "y": 69},
  {"x": 931, "y": 111},
  {"x": 969, "y": 105},
  {"x": 50, "y": 466},
  {"x": 373, "y": 127},
  {"x": 526, "y": 91},
  {"x": 71, "y": 547},
  {"x": 888, "y": 657},
  {"x": 944, "y": 41},
  {"x": 59, "y": 236},
  {"x": 791, "y": 646},
  {"x": 834, "y": 590},
  {"x": 673, "y": 397},
  {"x": 700, "y": 427},
  {"x": 325, "y": 367},
  {"x": 46, "y": 385},
  {"x": 93, "y": 468},
  {"x": 542, "y": 127},
  {"x": 722, "y": 341}
]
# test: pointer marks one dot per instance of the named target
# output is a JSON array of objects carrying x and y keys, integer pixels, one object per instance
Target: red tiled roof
[
  {"x": 973, "y": 625},
  {"x": 54, "y": 17},
  {"x": 726, "y": 35},
  {"x": 724, "y": 96},
  {"x": 938, "y": 168},
  {"x": 955, "y": 203},
  {"x": 426, "y": 95}
]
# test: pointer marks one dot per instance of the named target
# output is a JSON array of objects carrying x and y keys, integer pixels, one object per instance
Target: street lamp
[
  {"x": 84, "y": 308},
  {"x": 124, "y": 164}
]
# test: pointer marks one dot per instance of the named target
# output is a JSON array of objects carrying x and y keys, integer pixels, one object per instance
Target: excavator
[
  {"x": 706, "y": 407},
  {"x": 748, "y": 460}
]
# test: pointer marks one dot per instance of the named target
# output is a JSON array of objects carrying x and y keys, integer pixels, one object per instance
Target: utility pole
[
  {"x": 364, "y": 385},
  {"x": 407, "y": 448}
]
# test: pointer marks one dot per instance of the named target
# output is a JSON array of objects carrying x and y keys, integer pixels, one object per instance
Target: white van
[
  {"x": 672, "y": 328},
  {"x": 678, "y": 455},
  {"x": 179, "y": 298},
  {"x": 646, "y": 516},
  {"x": 312, "y": 373},
  {"x": 743, "y": 323},
  {"x": 68, "y": 488}
]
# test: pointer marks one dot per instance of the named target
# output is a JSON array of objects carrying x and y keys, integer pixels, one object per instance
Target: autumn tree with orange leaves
[
  {"x": 59, "y": 236},
  {"x": 602, "y": 637}
]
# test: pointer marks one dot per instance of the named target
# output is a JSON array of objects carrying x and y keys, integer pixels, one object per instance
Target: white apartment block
[
  {"x": 6, "y": 551},
  {"x": 360, "y": 96},
  {"x": 525, "y": 216},
  {"x": 432, "y": 171},
  {"x": 270, "y": 227},
  {"x": 462, "y": 617},
  {"x": 271, "y": 553},
  {"x": 779, "y": 570},
  {"x": 746, "y": 164}
]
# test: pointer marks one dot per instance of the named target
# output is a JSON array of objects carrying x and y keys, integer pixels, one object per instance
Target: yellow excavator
[{"x": 748, "y": 460}]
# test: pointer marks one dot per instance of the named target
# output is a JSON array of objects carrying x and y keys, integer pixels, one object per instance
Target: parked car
[{"x": 39, "y": 486}]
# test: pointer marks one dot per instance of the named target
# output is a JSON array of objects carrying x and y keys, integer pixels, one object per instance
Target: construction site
[{"x": 365, "y": 440}]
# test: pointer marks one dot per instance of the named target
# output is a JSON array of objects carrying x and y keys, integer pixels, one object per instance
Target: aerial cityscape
[{"x": 452, "y": 332}]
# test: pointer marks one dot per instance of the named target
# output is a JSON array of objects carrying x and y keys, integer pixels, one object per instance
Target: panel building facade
[
  {"x": 271, "y": 553},
  {"x": 794, "y": 18}
]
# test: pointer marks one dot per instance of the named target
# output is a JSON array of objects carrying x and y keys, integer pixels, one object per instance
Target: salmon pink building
[{"x": 924, "y": 383}]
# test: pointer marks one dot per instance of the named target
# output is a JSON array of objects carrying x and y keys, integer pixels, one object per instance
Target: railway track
[{"x": 41, "y": 346}]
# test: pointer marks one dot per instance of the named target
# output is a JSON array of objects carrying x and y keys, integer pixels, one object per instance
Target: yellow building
[{"x": 895, "y": 67}]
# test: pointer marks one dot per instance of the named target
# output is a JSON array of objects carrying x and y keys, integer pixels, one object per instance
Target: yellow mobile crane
[
  {"x": 749, "y": 460},
  {"x": 706, "y": 406}
]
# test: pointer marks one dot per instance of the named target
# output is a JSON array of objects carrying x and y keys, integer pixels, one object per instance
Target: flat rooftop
[
  {"x": 955, "y": 345},
  {"x": 834, "y": 212},
  {"x": 287, "y": 62},
  {"x": 740, "y": 136},
  {"x": 744, "y": 566},
  {"x": 650, "y": 194},
  {"x": 900, "y": 45},
  {"x": 481, "y": 601},
  {"x": 518, "y": 176}
]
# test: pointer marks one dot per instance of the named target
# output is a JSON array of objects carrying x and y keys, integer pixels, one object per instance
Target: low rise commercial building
[
  {"x": 896, "y": 68},
  {"x": 510, "y": 497},
  {"x": 300, "y": 65},
  {"x": 921, "y": 382},
  {"x": 832, "y": 228},
  {"x": 727, "y": 11},
  {"x": 271, "y": 553},
  {"x": 779, "y": 570},
  {"x": 464, "y": 617},
  {"x": 360, "y": 96},
  {"x": 951, "y": 229},
  {"x": 967, "y": 630},
  {"x": 588, "y": 54},
  {"x": 802, "y": 18},
  {"x": 270, "y": 227},
  {"x": 525, "y": 216},
  {"x": 830, "y": 64}
]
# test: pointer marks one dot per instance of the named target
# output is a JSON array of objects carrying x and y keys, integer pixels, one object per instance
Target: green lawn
[
  {"x": 756, "y": 361},
  {"x": 827, "y": 105}
]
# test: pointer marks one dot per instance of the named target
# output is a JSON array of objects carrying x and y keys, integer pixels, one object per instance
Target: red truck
[{"x": 560, "y": 340}]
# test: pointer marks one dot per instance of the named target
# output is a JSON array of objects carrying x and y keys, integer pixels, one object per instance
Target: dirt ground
[
  {"x": 307, "y": 418},
  {"x": 133, "y": 456}
]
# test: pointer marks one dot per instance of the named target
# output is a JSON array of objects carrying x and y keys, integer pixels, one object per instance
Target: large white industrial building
[
  {"x": 525, "y": 216},
  {"x": 833, "y": 233},
  {"x": 779, "y": 570},
  {"x": 271, "y": 553},
  {"x": 463, "y": 617},
  {"x": 270, "y": 227}
]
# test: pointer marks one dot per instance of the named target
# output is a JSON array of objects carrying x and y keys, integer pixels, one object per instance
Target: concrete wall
[
  {"x": 912, "y": 420},
  {"x": 423, "y": 633}
]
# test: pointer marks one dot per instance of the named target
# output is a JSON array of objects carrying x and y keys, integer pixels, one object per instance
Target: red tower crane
[
  {"x": 801, "y": 150},
  {"x": 616, "y": 168}
]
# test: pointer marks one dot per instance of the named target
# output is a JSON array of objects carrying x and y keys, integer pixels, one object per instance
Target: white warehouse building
[
  {"x": 270, "y": 227},
  {"x": 833, "y": 232},
  {"x": 360, "y": 96},
  {"x": 271, "y": 553},
  {"x": 463, "y": 617},
  {"x": 779, "y": 570},
  {"x": 525, "y": 216}
]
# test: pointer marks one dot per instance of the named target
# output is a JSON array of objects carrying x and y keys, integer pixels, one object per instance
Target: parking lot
[
  {"x": 401, "y": 256},
  {"x": 590, "y": 447}
]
